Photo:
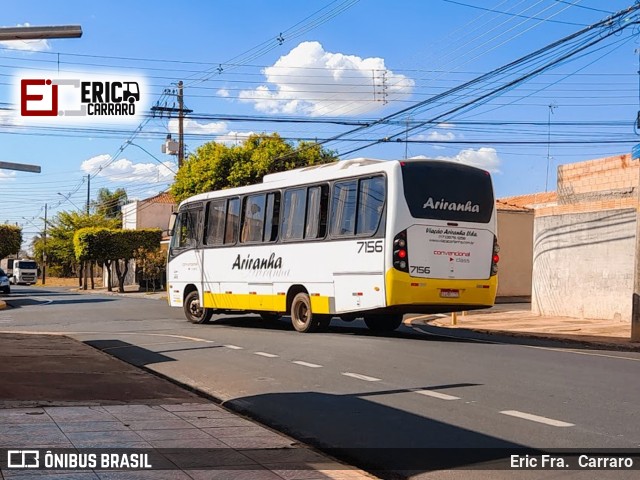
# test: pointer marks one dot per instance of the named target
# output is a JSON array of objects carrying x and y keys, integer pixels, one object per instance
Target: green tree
[
  {"x": 108, "y": 203},
  {"x": 10, "y": 240},
  {"x": 215, "y": 166},
  {"x": 60, "y": 232},
  {"x": 151, "y": 264},
  {"x": 105, "y": 245}
]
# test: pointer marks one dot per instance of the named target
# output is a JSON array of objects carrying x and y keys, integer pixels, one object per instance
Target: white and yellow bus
[{"x": 356, "y": 238}]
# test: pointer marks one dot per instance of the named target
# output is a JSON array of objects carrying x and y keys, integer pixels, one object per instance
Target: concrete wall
[
  {"x": 155, "y": 215},
  {"x": 130, "y": 215},
  {"x": 583, "y": 264},
  {"x": 137, "y": 215},
  {"x": 515, "y": 237}
]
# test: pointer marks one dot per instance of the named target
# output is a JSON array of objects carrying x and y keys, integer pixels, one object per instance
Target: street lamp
[{"x": 38, "y": 33}]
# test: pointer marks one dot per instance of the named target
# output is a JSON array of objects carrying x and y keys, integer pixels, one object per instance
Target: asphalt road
[{"x": 375, "y": 399}]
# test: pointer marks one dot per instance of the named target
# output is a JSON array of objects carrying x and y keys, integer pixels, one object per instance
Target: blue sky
[{"x": 345, "y": 60}]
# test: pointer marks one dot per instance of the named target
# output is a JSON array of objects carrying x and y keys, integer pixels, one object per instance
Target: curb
[{"x": 555, "y": 337}]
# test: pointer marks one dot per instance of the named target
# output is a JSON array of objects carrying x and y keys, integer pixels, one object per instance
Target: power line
[{"x": 514, "y": 14}]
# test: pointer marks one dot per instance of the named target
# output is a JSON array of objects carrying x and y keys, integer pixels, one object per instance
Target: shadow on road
[
  {"x": 19, "y": 302},
  {"x": 128, "y": 352},
  {"x": 384, "y": 440}
]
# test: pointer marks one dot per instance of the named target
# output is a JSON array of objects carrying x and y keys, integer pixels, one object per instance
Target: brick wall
[{"x": 601, "y": 184}]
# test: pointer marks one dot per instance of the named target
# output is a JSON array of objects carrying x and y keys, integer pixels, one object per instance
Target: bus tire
[
  {"x": 193, "y": 311},
  {"x": 383, "y": 323},
  {"x": 270, "y": 317},
  {"x": 301, "y": 314}
]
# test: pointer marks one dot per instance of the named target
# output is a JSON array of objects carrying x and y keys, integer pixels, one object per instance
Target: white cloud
[
  {"x": 446, "y": 125},
  {"x": 484, "y": 157},
  {"x": 192, "y": 126},
  {"x": 27, "y": 45},
  {"x": 9, "y": 118},
  {"x": 309, "y": 80},
  {"x": 436, "y": 136},
  {"x": 4, "y": 175},
  {"x": 233, "y": 138},
  {"x": 223, "y": 92},
  {"x": 125, "y": 170}
]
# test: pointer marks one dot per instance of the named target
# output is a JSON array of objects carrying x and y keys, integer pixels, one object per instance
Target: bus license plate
[{"x": 449, "y": 293}]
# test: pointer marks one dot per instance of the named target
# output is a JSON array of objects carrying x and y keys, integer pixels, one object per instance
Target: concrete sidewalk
[
  {"x": 59, "y": 393},
  {"x": 518, "y": 320}
]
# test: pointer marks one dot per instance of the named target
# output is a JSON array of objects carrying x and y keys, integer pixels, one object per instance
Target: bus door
[{"x": 185, "y": 256}]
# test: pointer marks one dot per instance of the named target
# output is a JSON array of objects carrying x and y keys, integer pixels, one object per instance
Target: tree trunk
[
  {"x": 80, "y": 270},
  {"x": 93, "y": 282},
  {"x": 106, "y": 272},
  {"x": 85, "y": 273},
  {"x": 121, "y": 274}
]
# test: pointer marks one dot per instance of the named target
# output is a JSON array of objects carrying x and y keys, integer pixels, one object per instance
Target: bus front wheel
[
  {"x": 301, "y": 315},
  {"x": 383, "y": 323},
  {"x": 194, "y": 312}
]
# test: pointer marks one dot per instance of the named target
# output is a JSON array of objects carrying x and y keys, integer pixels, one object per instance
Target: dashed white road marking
[
  {"x": 438, "y": 395},
  {"x": 265, "y": 354},
  {"x": 234, "y": 347},
  {"x": 537, "y": 418},
  {"x": 366, "y": 378},
  {"x": 307, "y": 364}
]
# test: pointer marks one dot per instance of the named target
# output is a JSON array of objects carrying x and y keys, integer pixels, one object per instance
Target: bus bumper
[{"x": 424, "y": 295}]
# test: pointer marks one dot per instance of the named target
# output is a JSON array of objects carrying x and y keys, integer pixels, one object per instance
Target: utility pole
[
  {"x": 88, "y": 192},
  {"x": 181, "y": 111},
  {"x": 44, "y": 250},
  {"x": 180, "y": 125},
  {"x": 546, "y": 180},
  {"x": 635, "y": 298}
]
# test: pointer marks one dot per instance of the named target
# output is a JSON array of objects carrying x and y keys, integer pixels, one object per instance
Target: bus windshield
[{"x": 446, "y": 191}]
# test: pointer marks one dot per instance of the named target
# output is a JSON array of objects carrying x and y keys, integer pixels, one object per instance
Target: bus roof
[{"x": 315, "y": 173}]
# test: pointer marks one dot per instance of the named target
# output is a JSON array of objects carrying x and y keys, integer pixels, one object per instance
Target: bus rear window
[{"x": 447, "y": 191}]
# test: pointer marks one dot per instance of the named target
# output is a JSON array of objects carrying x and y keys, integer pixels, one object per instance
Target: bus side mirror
[{"x": 172, "y": 222}]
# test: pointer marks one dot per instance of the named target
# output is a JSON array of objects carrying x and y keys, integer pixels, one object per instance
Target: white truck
[{"x": 20, "y": 271}]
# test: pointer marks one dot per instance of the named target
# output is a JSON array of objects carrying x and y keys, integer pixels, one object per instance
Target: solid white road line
[
  {"x": 265, "y": 354},
  {"x": 234, "y": 347},
  {"x": 438, "y": 395},
  {"x": 307, "y": 364},
  {"x": 537, "y": 418},
  {"x": 361, "y": 377}
]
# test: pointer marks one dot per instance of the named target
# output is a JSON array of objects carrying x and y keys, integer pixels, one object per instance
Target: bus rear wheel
[
  {"x": 302, "y": 317},
  {"x": 194, "y": 312},
  {"x": 383, "y": 323}
]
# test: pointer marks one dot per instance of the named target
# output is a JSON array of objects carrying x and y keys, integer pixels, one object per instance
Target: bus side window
[
  {"x": 233, "y": 221},
  {"x": 343, "y": 209},
  {"x": 317, "y": 203},
  {"x": 186, "y": 229},
  {"x": 272, "y": 217},
  {"x": 293, "y": 214},
  {"x": 371, "y": 195},
  {"x": 214, "y": 226},
  {"x": 253, "y": 218}
]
